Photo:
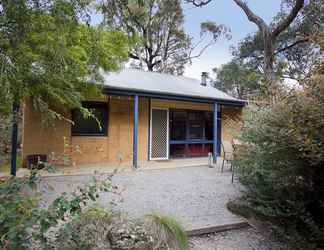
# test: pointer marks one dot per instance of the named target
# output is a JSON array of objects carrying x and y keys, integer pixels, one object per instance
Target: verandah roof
[{"x": 138, "y": 81}]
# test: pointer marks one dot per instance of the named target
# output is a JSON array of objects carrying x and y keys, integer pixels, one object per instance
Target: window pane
[
  {"x": 90, "y": 126},
  {"x": 177, "y": 151},
  {"x": 178, "y": 124},
  {"x": 195, "y": 125},
  {"x": 209, "y": 126}
]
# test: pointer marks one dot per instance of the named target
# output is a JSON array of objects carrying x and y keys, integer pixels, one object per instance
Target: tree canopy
[
  {"x": 269, "y": 35},
  {"x": 157, "y": 27},
  {"x": 50, "y": 54},
  {"x": 296, "y": 55},
  {"x": 238, "y": 79}
]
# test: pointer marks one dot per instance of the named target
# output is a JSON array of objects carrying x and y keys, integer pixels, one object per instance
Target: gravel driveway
[
  {"x": 196, "y": 196},
  {"x": 242, "y": 239}
]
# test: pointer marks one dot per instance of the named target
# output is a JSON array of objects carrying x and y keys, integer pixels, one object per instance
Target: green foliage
[
  {"x": 169, "y": 231},
  {"x": 157, "y": 28},
  {"x": 282, "y": 166},
  {"x": 4, "y": 138},
  {"x": 238, "y": 79},
  {"x": 85, "y": 231},
  {"x": 22, "y": 221},
  {"x": 49, "y": 54}
]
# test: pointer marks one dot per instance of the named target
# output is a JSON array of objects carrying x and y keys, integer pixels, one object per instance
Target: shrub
[
  {"x": 283, "y": 165},
  {"x": 23, "y": 222},
  {"x": 96, "y": 228}
]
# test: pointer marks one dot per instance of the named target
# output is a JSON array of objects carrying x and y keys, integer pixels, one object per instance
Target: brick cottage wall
[{"x": 116, "y": 147}]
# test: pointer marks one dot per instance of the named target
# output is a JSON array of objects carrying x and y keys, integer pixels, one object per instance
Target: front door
[{"x": 159, "y": 134}]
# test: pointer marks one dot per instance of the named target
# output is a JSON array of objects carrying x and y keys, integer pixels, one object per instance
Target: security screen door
[{"x": 159, "y": 134}]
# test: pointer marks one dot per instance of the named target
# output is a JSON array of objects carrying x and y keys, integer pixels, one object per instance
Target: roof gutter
[{"x": 128, "y": 92}]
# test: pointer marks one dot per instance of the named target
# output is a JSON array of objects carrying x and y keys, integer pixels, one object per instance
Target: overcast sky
[
  {"x": 227, "y": 13},
  {"x": 222, "y": 12}
]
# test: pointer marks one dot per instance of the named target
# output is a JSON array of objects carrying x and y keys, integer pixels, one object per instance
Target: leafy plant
[
  {"x": 282, "y": 166},
  {"x": 23, "y": 222}
]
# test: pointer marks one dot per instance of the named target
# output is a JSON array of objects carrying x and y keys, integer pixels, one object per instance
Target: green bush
[
  {"x": 23, "y": 224},
  {"x": 282, "y": 166}
]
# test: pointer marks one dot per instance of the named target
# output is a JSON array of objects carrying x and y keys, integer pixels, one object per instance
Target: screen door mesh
[{"x": 159, "y": 136}]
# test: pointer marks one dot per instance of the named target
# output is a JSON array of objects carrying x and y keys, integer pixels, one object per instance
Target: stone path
[{"x": 195, "y": 196}]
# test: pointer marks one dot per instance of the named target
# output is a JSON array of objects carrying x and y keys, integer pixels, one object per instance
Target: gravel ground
[
  {"x": 241, "y": 239},
  {"x": 196, "y": 196}
]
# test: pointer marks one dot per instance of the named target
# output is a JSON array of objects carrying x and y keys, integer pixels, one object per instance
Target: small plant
[{"x": 168, "y": 233}]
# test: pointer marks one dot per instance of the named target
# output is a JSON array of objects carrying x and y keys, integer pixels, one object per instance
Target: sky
[
  {"x": 221, "y": 12},
  {"x": 228, "y": 13}
]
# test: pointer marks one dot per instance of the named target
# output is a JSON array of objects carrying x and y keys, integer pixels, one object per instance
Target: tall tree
[
  {"x": 269, "y": 34},
  {"x": 50, "y": 55},
  {"x": 157, "y": 26},
  {"x": 296, "y": 54}
]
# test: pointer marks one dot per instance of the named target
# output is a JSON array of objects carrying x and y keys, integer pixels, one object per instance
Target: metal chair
[{"x": 227, "y": 153}]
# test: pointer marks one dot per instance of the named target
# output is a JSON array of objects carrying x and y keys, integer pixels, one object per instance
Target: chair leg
[{"x": 223, "y": 164}]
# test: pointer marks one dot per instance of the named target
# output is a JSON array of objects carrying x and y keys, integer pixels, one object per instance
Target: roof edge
[{"x": 162, "y": 95}]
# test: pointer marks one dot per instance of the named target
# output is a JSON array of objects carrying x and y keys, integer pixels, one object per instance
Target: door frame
[{"x": 167, "y": 140}]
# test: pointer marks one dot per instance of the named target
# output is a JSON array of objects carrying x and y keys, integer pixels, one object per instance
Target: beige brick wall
[
  {"x": 116, "y": 148},
  {"x": 231, "y": 122}
]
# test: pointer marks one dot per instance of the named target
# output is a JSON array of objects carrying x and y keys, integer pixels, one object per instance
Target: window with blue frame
[{"x": 191, "y": 133}]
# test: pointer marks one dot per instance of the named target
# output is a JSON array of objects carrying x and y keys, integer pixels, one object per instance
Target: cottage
[{"x": 144, "y": 116}]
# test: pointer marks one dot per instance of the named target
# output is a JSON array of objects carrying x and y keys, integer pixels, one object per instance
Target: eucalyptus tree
[
  {"x": 238, "y": 79},
  {"x": 50, "y": 55},
  {"x": 269, "y": 34},
  {"x": 157, "y": 27},
  {"x": 296, "y": 53}
]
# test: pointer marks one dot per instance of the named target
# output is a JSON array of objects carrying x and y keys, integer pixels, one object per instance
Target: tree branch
[
  {"x": 304, "y": 40},
  {"x": 283, "y": 24},
  {"x": 251, "y": 15},
  {"x": 133, "y": 56},
  {"x": 199, "y": 3}
]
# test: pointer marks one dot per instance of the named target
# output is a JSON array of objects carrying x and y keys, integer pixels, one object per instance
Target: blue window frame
[{"x": 191, "y": 132}]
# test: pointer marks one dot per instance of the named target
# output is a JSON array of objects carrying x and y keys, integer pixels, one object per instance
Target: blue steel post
[
  {"x": 14, "y": 139},
  {"x": 135, "y": 132},
  {"x": 215, "y": 140}
]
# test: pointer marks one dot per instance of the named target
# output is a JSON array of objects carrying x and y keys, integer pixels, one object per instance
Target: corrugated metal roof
[{"x": 159, "y": 83}]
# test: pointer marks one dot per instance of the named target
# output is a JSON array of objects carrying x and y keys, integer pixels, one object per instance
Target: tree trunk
[
  {"x": 150, "y": 66},
  {"x": 268, "y": 69}
]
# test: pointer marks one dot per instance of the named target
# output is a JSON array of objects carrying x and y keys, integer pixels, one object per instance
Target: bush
[
  {"x": 97, "y": 228},
  {"x": 23, "y": 223},
  {"x": 282, "y": 167}
]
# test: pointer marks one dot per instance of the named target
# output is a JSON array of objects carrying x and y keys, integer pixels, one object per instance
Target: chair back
[{"x": 227, "y": 148}]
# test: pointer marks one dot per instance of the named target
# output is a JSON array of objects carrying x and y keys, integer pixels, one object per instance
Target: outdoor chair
[{"x": 227, "y": 153}]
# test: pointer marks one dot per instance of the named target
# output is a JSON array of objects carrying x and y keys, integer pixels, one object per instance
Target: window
[
  {"x": 195, "y": 125},
  {"x": 178, "y": 124},
  {"x": 89, "y": 126},
  {"x": 191, "y": 132},
  {"x": 209, "y": 126}
]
